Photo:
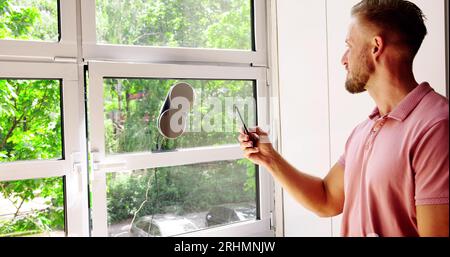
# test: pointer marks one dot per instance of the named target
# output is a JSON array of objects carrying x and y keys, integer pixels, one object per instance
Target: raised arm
[{"x": 325, "y": 197}]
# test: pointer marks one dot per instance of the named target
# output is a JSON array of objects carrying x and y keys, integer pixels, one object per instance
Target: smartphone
[{"x": 245, "y": 126}]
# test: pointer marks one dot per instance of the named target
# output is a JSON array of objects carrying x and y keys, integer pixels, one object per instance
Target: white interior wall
[
  {"x": 317, "y": 114},
  {"x": 303, "y": 102},
  {"x": 430, "y": 61},
  {"x": 346, "y": 110}
]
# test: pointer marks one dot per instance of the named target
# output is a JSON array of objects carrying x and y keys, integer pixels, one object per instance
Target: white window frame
[
  {"x": 46, "y": 51},
  {"x": 76, "y": 195},
  {"x": 108, "y": 52},
  {"x": 103, "y": 164}
]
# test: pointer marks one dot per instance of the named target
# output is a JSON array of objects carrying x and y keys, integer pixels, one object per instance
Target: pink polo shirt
[{"x": 394, "y": 163}]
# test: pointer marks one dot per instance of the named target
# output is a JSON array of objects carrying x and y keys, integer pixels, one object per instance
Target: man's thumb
[{"x": 261, "y": 132}]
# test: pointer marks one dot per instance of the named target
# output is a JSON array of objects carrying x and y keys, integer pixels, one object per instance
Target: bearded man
[{"x": 392, "y": 179}]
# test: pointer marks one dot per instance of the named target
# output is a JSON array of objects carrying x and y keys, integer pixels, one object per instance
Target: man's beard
[{"x": 357, "y": 80}]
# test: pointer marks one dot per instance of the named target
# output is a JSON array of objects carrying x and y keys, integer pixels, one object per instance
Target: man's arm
[
  {"x": 430, "y": 164},
  {"x": 432, "y": 220},
  {"x": 325, "y": 197}
]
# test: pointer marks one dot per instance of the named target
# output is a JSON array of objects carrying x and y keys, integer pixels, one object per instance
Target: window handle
[
  {"x": 99, "y": 164},
  {"x": 77, "y": 169},
  {"x": 115, "y": 165}
]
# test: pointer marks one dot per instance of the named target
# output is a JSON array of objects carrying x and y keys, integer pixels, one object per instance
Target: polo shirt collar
[{"x": 407, "y": 105}]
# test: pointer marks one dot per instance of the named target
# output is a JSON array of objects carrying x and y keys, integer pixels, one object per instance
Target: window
[
  {"x": 41, "y": 176},
  {"x": 220, "y": 31},
  {"x": 190, "y": 23},
  {"x": 33, "y": 207},
  {"x": 29, "y": 20},
  {"x": 124, "y": 103},
  {"x": 30, "y": 129},
  {"x": 30, "y": 120},
  {"x": 82, "y": 85},
  {"x": 132, "y": 108},
  {"x": 179, "y": 199},
  {"x": 41, "y": 30}
]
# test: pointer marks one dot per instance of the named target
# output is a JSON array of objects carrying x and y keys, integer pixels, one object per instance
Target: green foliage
[
  {"x": 37, "y": 221},
  {"x": 232, "y": 28},
  {"x": 176, "y": 23},
  {"x": 30, "y": 123},
  {"x": 131, "y": 124},
  {"x": 178, "y": 190},
  {"x": 30, "y": 120},
  {"x": 31, "y": 19}
]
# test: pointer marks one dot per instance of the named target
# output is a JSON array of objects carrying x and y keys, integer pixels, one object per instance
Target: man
[{"x": 392, "y": 179}]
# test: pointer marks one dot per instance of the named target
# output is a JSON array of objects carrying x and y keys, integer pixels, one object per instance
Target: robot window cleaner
[
  {"x": 174, "y": 112},
  {"x": 173, "y": 115}
]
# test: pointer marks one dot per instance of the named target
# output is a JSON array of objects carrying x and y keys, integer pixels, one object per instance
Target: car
[
  {"x": 229, "y": 213},
  {"x": 150, "y": 226}
]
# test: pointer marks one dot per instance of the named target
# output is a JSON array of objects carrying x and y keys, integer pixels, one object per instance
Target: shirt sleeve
[
  {"x": 341, "y": 160},
  {"x": 430, "y": 164}
]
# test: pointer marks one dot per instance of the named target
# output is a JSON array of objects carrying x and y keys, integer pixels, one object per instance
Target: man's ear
[{"x": 377, "y": 47}]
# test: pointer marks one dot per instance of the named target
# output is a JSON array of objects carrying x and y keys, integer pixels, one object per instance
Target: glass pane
[
  {"x": 30, "y": 120},
  {"x": 29, "y": 20},
  {"x": 132, "y": 108},
  {"x": 32, "y": 207},
  {"x": 176, "y": 200},
  {"x": 225, "y": 24}
]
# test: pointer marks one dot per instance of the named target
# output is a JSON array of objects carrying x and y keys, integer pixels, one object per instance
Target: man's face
[{"x": 357, "y": 59}]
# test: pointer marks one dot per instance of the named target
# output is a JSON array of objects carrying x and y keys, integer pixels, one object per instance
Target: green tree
[
  {"x": 29, "y": 19},
  {"x": 30, "y": 123},
  {"x": 176, "y": 23},
  {"x": 30, "y": 129}
]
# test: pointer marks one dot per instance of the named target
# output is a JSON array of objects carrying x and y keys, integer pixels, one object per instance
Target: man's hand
[
  {"x": 261, "y": 152},
  {"x": 324, "y": 197}
]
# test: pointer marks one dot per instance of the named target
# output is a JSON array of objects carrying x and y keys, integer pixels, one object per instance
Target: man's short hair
[{"x": 401, "y": 17}]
